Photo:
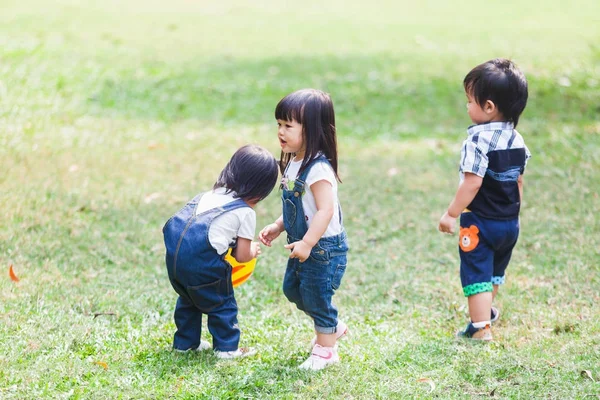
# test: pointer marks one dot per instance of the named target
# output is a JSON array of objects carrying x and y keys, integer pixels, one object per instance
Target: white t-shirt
[
  {"x": 319, "y": 171},
  {"x": 227, "y": 227}
]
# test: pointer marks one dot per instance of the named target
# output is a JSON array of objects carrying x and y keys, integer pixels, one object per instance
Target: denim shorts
[
  {"x": 311, "y": 284},
  {"x": 485, "y": 247}
]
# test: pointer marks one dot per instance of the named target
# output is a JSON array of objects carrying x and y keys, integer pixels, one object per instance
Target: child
[
  {"x": 312, "y": 216},
  {"x": 493, "y": 160},
  {"x": 197, "y": 239}
]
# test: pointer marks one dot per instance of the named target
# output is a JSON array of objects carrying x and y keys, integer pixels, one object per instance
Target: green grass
[{"x": 112, "y": 115}]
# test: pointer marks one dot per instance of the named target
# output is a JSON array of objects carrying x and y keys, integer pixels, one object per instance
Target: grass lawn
[{"x": 114, "y": 113}]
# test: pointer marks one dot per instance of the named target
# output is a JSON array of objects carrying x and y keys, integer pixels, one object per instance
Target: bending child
[
  {"x": 312, "y": 216},
  {"x": 488, "y": 200},
  {"x": 197, "y": 239}
]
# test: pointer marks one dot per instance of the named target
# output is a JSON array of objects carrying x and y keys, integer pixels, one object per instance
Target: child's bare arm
[
  {"x": 246, "y": 250},
  {"x": 271, "y": 232},
  {"x": 323, "y": 192},
  {"x": 464, "y": 196}
]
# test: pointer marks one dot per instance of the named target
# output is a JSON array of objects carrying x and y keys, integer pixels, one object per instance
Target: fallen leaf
[
  {"x": 12, "y": 275},
  {"x": 102, "y": 364},
  {"x": 427, "y": 380},
  {"x": 587, "y": 374}
]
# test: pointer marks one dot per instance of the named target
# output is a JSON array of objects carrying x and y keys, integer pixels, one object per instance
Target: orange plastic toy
[{"x": 240, "y": 272}]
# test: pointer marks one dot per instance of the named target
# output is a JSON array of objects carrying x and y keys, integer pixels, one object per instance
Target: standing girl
[
  {"x": 197, "y": 239},
  {"x": 312, "y": 216}
]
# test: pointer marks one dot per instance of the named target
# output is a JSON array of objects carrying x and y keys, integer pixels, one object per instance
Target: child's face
[
  {"x": 290, "y": 137},
  {"x": 477, "y": 114}
]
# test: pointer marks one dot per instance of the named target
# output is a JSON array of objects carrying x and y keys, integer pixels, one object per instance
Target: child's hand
[
  {"x": 255, "y": 249},
  {"x": 447, "y": 224},
  {"x": 300, "y": 250},
  {"x": 269, "y": 233}
]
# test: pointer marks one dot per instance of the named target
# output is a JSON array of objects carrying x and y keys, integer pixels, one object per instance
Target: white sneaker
[
  {"x": 241, "y": 352},
  {"x": 204, "y": 345},
  {"x": 320, "y": 358},
  {"x": 340, "y": 333}
]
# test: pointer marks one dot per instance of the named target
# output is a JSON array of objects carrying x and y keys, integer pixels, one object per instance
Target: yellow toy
[{"x": 240, "y": 272}]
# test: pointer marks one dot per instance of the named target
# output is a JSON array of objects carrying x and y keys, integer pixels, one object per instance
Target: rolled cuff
[{"x": 477, "y": 288}]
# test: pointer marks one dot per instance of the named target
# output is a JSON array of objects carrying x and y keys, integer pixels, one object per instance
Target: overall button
[
  {"x": 296, "y": 194},
  {"x": 322, "y": 252}
]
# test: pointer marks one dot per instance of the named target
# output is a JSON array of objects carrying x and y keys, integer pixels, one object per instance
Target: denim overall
[
  {"x": 311, "y": 284},
  {"x": 201, "y": 277}
]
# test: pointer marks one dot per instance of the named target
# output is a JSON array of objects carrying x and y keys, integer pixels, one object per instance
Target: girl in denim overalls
[
  {"x": 312, "y": 217},
  {"x": 197, "y": 239}
]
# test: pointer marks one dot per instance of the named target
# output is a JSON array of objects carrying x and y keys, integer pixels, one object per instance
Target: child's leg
[
  {"x": 326, "y": 339},
  {"x": 223, "y": 325},
  {"x": 495, "y": 292},
  {"x": 188, "y": 320},
  {"x": 476, "y": 268},
  {"x": 320, "y": 280},
  {"x": 503, "y": 253},
  {"x": 480, "y": 305},
  {"x": 211, "y": 293},
  {"x": 475, "y": 273},
  {"x": 291, "y": 283}
]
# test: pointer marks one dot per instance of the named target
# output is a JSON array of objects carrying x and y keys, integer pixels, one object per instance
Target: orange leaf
[
  {"x": 12, "y": 275},
  {"x": 102, "y": 364}
]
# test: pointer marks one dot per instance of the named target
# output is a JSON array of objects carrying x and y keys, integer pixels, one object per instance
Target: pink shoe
[
  {"x": 320, "y": 358},
  {"x": 340, "y": 333}
]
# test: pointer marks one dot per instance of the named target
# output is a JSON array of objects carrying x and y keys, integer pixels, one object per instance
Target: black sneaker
[{"x": 473, "y": 333}]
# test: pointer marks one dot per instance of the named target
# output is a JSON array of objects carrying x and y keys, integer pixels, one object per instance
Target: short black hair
[
  {"x": 251, "y": 173},
  {"x": 500, "y": 81},
  {"x": 313, "y": 109}
]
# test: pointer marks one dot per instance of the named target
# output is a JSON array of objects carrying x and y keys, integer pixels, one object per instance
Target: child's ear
[{"x": 489, "y": 107}]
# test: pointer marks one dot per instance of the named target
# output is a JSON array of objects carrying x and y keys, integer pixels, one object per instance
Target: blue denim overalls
[
  {"x": 201, "y": 277},
  {"x": 311, "y": 284}
]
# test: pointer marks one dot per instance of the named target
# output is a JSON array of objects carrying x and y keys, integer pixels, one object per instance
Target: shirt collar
[{"x": 490, "y": 126}]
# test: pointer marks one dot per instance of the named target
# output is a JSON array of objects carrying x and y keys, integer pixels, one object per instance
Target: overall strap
[
  {"x": 304, "y": 174},
  {"x": 233, "y": 205},
  {"x": 300, "y": 181},
  {"x": 216, "y": 211},
  {"x": 196, "y": 199}
]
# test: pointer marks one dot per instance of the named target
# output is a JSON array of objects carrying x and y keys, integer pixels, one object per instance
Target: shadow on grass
[{"x": 373, "y": 96}]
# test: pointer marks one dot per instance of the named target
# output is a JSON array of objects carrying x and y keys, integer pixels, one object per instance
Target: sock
[{"x": 480, "y": 324}]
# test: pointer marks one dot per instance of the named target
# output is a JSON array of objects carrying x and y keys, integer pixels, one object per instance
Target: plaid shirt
[{"x": 496, "y": 152}]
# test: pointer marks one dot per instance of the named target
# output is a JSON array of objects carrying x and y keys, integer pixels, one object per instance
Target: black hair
[
  {"x": 313, "y": 109},
  {"x": 251, "y": 173},
  {"x": 500, "y": 81}
]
